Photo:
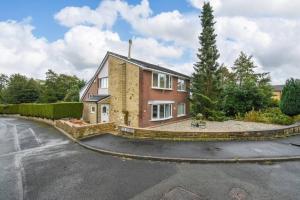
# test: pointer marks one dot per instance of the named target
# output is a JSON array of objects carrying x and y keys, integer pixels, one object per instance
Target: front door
[{"x": 104, "y": 113}]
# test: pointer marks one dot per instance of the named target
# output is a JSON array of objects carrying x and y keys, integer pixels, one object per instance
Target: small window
[
  {"x": 161, "y": 81},
  {"x": 181, "y": 109},
  {"x": 103, "y": 83},
  {"x": 93, "y": 109},
  {"x": 181, "y": 85}
]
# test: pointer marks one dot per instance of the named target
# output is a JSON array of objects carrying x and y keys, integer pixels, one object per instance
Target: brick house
[{"x": 135, "y": 93}]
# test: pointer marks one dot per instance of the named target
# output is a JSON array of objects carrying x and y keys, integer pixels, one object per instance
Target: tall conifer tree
[{"x": 205, "y": 80}]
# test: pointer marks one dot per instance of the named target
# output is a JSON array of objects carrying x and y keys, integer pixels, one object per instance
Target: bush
[
  {"x": 290, "y": 99},
  {"x": 270, "y": 116},
  {"x": 49, "y": 111},
  {"x": 9, "y": 109}
]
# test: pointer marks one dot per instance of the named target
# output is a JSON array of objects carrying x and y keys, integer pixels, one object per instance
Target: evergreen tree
[
  {"x": 290, "y": 99},
  {"x": 205, "y": 80}
]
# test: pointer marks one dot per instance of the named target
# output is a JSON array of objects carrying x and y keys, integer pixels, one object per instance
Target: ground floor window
[
  {"x": 181, "y": 109},
  {"x": 93, "y": 109},
  {"x": 161, "y": 111}
]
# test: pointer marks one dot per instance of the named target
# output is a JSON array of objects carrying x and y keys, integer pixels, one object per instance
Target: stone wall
[
  {"x": 87, "y": 115},
  {"x": 124, "y": 91},
  {"x": 79, "y": 132},
  {"x": 251, "y": 135}
]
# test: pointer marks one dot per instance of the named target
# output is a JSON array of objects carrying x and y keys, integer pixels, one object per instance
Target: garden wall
[
  {"x": 83, "y": 131},
  {"x": 179, "y": 135}
]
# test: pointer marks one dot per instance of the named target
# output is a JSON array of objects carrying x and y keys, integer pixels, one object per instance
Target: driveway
[{"x": 37, "y": 162}]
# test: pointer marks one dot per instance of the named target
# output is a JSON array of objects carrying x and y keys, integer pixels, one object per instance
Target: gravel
[{"x": 227, "y": 126}]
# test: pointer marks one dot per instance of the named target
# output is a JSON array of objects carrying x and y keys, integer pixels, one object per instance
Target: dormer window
[{"x": 161, "y": 81}]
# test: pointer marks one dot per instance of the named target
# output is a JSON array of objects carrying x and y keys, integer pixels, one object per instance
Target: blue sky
[{"x": 73, "y": 36}]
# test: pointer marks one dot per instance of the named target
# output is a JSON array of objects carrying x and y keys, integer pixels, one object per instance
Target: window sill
[
  {"x": 154, "y": 120},
  {"x": 169, "y": 89},
  {"x": 181, "y": 115},
  {"x": 181, "y": 90}
]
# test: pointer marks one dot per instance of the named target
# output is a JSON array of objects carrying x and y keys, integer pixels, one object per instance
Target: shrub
[
  {"x": 290, "y": 99},
  {"x": 9, "y": 109},
  {"x": 49, "y": 111},
  {"x": 270, "y": 115}
]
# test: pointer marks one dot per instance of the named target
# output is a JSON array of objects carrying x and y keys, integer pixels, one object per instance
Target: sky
[{"x": 73, "y": 36}]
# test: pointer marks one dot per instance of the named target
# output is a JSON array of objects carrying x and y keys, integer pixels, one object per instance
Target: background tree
[
  {"x": 290, "y": 99},
  {"x": 3, "y": 83},
  {"x": 248, "y": 90},
  {"x": 205, "y": 80}
]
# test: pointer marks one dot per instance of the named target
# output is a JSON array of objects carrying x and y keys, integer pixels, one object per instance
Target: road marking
[
  {"x": 20, "y": 171},
  {"x": 35, "y": 136},
  {"x": 36, "y": 149}
]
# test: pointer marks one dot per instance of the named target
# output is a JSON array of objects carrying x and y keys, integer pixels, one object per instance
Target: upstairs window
[
  {"x": 181, "y": 86},
  {"x": 161, "y": 81},
  {"x": 103, "y": 83}
]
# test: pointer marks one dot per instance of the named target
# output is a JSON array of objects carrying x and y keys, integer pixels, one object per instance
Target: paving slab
[{"x": 197, "y": 149}]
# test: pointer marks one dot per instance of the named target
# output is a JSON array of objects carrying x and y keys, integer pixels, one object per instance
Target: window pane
[
  {"x": 155, "y": 80},
  {"x": 162, "y": 80},
  {"x": 104, "y": 83},
  {"x": 181, "y": 109},
  {"x": 167, "y": 81},
  {"x": 162, "y": 111},
  {"x": 167, "y": 110},
  {"x": 154, "y": 111}
]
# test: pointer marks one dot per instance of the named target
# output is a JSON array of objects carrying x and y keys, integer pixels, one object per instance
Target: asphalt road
[{"x": 37, "y": 162}]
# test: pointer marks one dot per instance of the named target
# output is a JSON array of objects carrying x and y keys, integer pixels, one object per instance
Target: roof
[
  {"x": 134, "y": 61},
  {"x": 149, "y": 65},
  {"x": 97, "y": 98},
  {"x": 278, "y": 87}
]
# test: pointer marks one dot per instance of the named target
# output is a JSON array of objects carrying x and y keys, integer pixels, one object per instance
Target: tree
[
  {"x": 3, "y": 83},
  {"x": 290, "y": 99},
  {"x": 247, "y": 90},
  {"x": 205, "y": 80}
]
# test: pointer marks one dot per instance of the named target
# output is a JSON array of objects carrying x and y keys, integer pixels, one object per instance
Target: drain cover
[
  {"x": 238, "y": 194},
  {"x": 179, "y": 193}
]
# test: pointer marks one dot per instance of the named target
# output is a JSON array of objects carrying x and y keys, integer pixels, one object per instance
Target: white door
[{"x": 104, "y": 113}]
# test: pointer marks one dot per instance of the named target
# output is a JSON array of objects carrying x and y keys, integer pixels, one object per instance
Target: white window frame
[
  {"x": 180, "y": 84},
  {"x": 159, "y": 118},
  {"x": 100, "y": 82},
  {"x": 91, "y": 109},
  {"x": 184, "y": 110},
  {"x": 164, "y": 76}
]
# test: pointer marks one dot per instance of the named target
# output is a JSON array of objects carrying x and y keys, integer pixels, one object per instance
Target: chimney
[{"x": 129, "y": 49}]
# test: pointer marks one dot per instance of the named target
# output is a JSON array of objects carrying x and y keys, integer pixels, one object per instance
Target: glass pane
[
  {"x": 161, "y": 111},
  {"x": 155, "y": 80},
  {"x": 154, "y": 111},
  {"x": 162, "y": 80},
  {"x": 167, "y": 81},
  {"x": 168, "y": 110}
]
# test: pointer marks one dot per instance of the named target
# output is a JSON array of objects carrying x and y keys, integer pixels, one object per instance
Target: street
[{"x": 38, "y": 162}]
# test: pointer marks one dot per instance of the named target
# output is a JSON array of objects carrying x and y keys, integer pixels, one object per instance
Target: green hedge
[{"x": 49, "y": 111}]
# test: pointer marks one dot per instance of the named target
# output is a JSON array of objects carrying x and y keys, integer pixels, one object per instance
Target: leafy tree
[
  {"x": 247, "y": 90},
  {"x": 60, "y": 87},
  {"x": 205, "y": 80},
  {"x": 290, "y": 99},
  {"x": 20, "y": 90},
  {"x": 3, "y": 83}
]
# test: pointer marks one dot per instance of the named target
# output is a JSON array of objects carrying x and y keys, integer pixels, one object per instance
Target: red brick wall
[
  {"x": 93, "y": 90},
  {"x": 147, "y": 94}
]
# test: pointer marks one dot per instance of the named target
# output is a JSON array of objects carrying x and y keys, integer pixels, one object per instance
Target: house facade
[
  {"x": 135, "y": 93},
  {"x": 277, "y": 91}
]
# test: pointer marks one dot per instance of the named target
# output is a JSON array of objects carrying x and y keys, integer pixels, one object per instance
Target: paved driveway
[{"x": 37, "y": 162}]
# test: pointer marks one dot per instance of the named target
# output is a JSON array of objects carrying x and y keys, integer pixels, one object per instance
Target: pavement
[
  {"x": 38, "y": 162},
  {"x": 193, "y": 150}
]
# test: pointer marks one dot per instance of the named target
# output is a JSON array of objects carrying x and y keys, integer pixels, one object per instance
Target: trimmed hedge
[{"x": 49, "y": 111}]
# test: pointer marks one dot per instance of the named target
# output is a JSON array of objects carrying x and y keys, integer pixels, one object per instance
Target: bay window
[
  {"x": 161, "y": 81},
  {"x": 161, "y": 111},
  {"x": 181, "y": 109},
  {"x": 181, "y": 85}
]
